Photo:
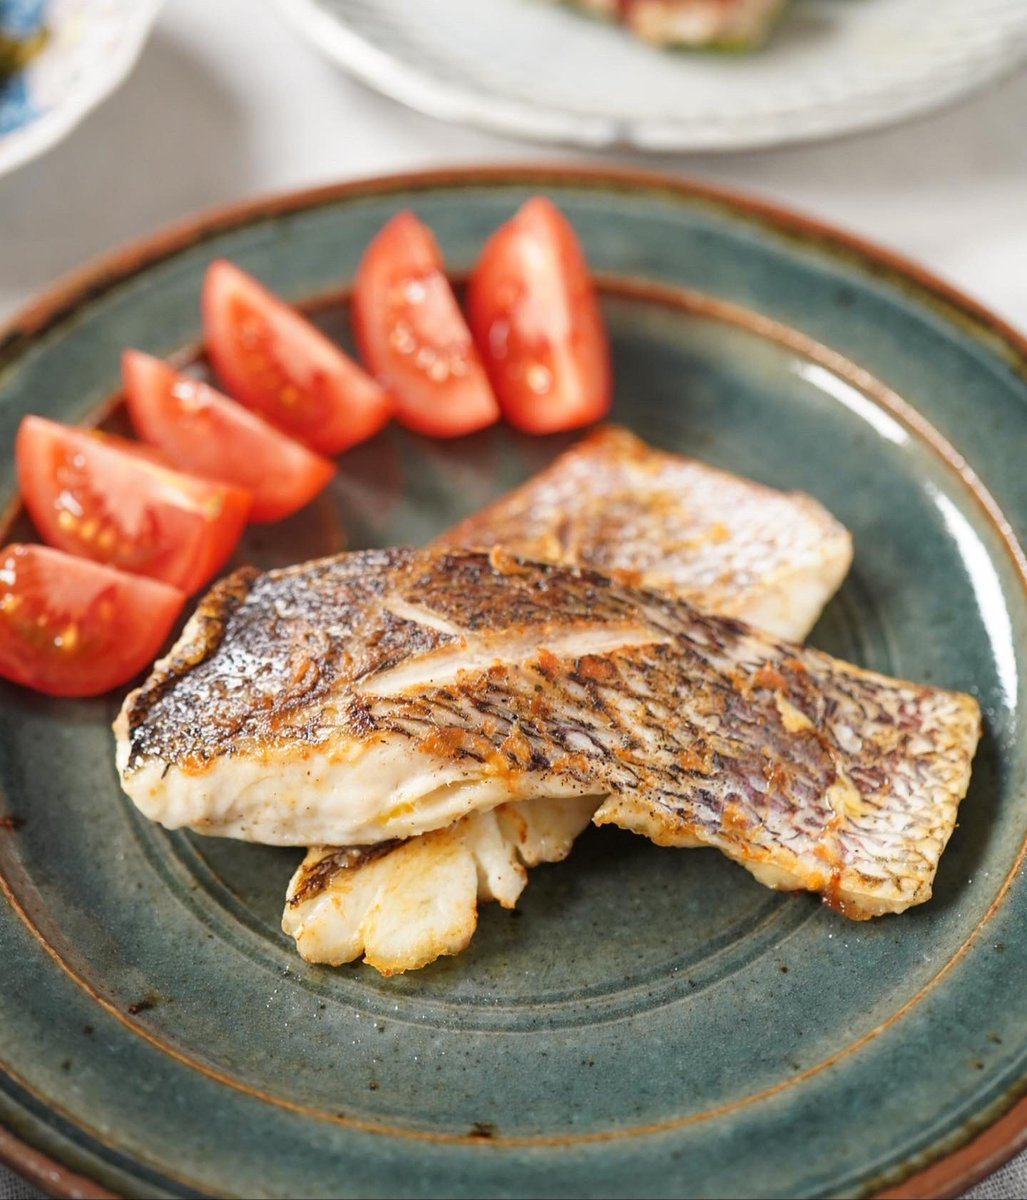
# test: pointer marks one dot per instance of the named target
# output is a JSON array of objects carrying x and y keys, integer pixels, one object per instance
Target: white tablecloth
[{"x": 227, "y": 103}]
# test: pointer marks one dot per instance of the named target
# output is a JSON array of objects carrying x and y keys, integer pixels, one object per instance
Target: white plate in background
[{"x": 536, "y": 70}]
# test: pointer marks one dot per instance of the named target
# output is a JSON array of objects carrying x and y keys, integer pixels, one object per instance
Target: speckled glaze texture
[{"x": 654, "y": 1022}]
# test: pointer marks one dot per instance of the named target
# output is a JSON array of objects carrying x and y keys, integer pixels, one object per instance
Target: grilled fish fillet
[
  {"x": 646, "y": 516},
  {"x": 727, "y": 544},
  {"x": 387, "y": 693}
]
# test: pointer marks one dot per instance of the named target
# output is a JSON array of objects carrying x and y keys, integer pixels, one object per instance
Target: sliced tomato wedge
[
  {"x": 69, "y": 627},
  {"x": 274, "y": 361},
  {"x": 199, "y": 430},
  {"x": 107, "y": 499},
  {"x": 535, "y": 316},
  {"x": 413, "y": 336}
]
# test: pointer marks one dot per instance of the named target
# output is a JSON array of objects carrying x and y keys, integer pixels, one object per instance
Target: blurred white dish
[
  {"x": 537, "y": 70},
  {"x": 92, "y": 46}
]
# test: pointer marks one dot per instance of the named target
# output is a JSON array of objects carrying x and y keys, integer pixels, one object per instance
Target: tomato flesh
[
  {"x": 199, "y": 430},
  {"x": 106, "y": 499},
  {"x": 69, "y": 627},
  {"x": 413, "y": 336},
  {"x": 536, "y": 319},
  {"x": 275, "y": 362}
]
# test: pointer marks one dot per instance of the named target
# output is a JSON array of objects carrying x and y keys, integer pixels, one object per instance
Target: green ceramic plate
[{"x": 652, "y": 1022}]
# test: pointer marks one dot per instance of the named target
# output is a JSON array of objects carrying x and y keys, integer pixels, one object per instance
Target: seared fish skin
[
  {"x": 387, "y": 693},
  {"x": 660, "y": 520}
]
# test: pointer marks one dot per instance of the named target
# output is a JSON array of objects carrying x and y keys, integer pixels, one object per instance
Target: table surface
[{"x": 228, "y": 103}]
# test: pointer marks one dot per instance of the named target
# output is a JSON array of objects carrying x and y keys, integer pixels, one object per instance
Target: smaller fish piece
[
  {"x": 401, "y": 905},
  {"x": 653, "y": 519}
]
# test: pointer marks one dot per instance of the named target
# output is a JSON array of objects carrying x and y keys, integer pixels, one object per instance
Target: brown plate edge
[
  {"x": 46, "y": 1173},
  {"x": 1004, "y": 1137}
]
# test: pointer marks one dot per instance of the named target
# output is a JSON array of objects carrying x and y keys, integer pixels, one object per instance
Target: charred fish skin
[
  {"x": 260, "y": 652},
  {"x": 812, "y": 773},
  {"x": 506, "y": 679},
  {"x": 660, "y": 520}
]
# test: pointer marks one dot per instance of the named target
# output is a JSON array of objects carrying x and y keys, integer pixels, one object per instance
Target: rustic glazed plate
[{"x": 652, "y": 1022}]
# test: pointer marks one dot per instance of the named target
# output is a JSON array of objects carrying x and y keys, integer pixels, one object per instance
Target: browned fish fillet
[
  {"x": 660, "y": 520},
  {"x": 725, "y": 543},
  {"x": 386, "y": 693}
]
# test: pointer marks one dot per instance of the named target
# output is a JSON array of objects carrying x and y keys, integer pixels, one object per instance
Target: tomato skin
[
  {"x": 413, "y": 336},
  {"x": 70, "y": 627},
  {"x": 199, "y": 430},
  {"x": 109, "y": 500},
  {"x": 536, "y": 319},
  {"x": 275, "y": 362}
]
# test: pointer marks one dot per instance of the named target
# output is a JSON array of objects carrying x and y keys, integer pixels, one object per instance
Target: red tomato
[
  {"x": 536, "y": 319},
  {"x": 74, "y": 628},
  {"x": 274, "y": 361},
  {"x": 106, "y": 499},
  {"x": 412, "y": 334},
  {"x": 201, "y": 431}
]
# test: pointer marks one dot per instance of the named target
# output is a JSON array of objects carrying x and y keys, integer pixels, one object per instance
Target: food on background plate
[
  {"x": 199, "y": 430},
  {"x": 17, "y": 52},
  {"x": 535, "y": 315},
  {"x": 70, "y": 627},
  {"x": 392, "y": 692},
  {"x": 611, "y": 502},
  {"x": 113, "y": 501},
  {"x": 24, "y": 34},
  {"x": 412, "y": 334},
  {"x": 693, "y": 24},
  {"x": 275, "y": 362}
]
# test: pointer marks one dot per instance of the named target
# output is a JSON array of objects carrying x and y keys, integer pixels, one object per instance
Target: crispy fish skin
[
  {"x": 508, "y": 679},
  {"x": 255, "y": 727},
  {"x": 660, "y": 520}
]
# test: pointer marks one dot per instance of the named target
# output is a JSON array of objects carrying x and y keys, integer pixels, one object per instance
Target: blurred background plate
[
  {"x": 536, "y": 70},
  {"x": 91, "y": 45}
]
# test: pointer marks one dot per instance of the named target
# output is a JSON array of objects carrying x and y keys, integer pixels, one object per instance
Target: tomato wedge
[
  {"x": 272, "y": 360},
  {"x": 69, "y": 627},
  {"x": 413, "y": 336},
  {"x": 535, "y": 316},
  {"x": 199, "y": 430},
  {"x": 103, "y": 498}
]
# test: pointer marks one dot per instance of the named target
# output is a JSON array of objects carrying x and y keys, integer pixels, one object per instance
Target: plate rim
[
  {"x": 444, "y": 100},
  {"x": 1000, "y": 1138}
]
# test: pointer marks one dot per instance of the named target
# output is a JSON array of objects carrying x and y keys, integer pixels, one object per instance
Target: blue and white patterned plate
[{"x": 92, "y": 46}]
